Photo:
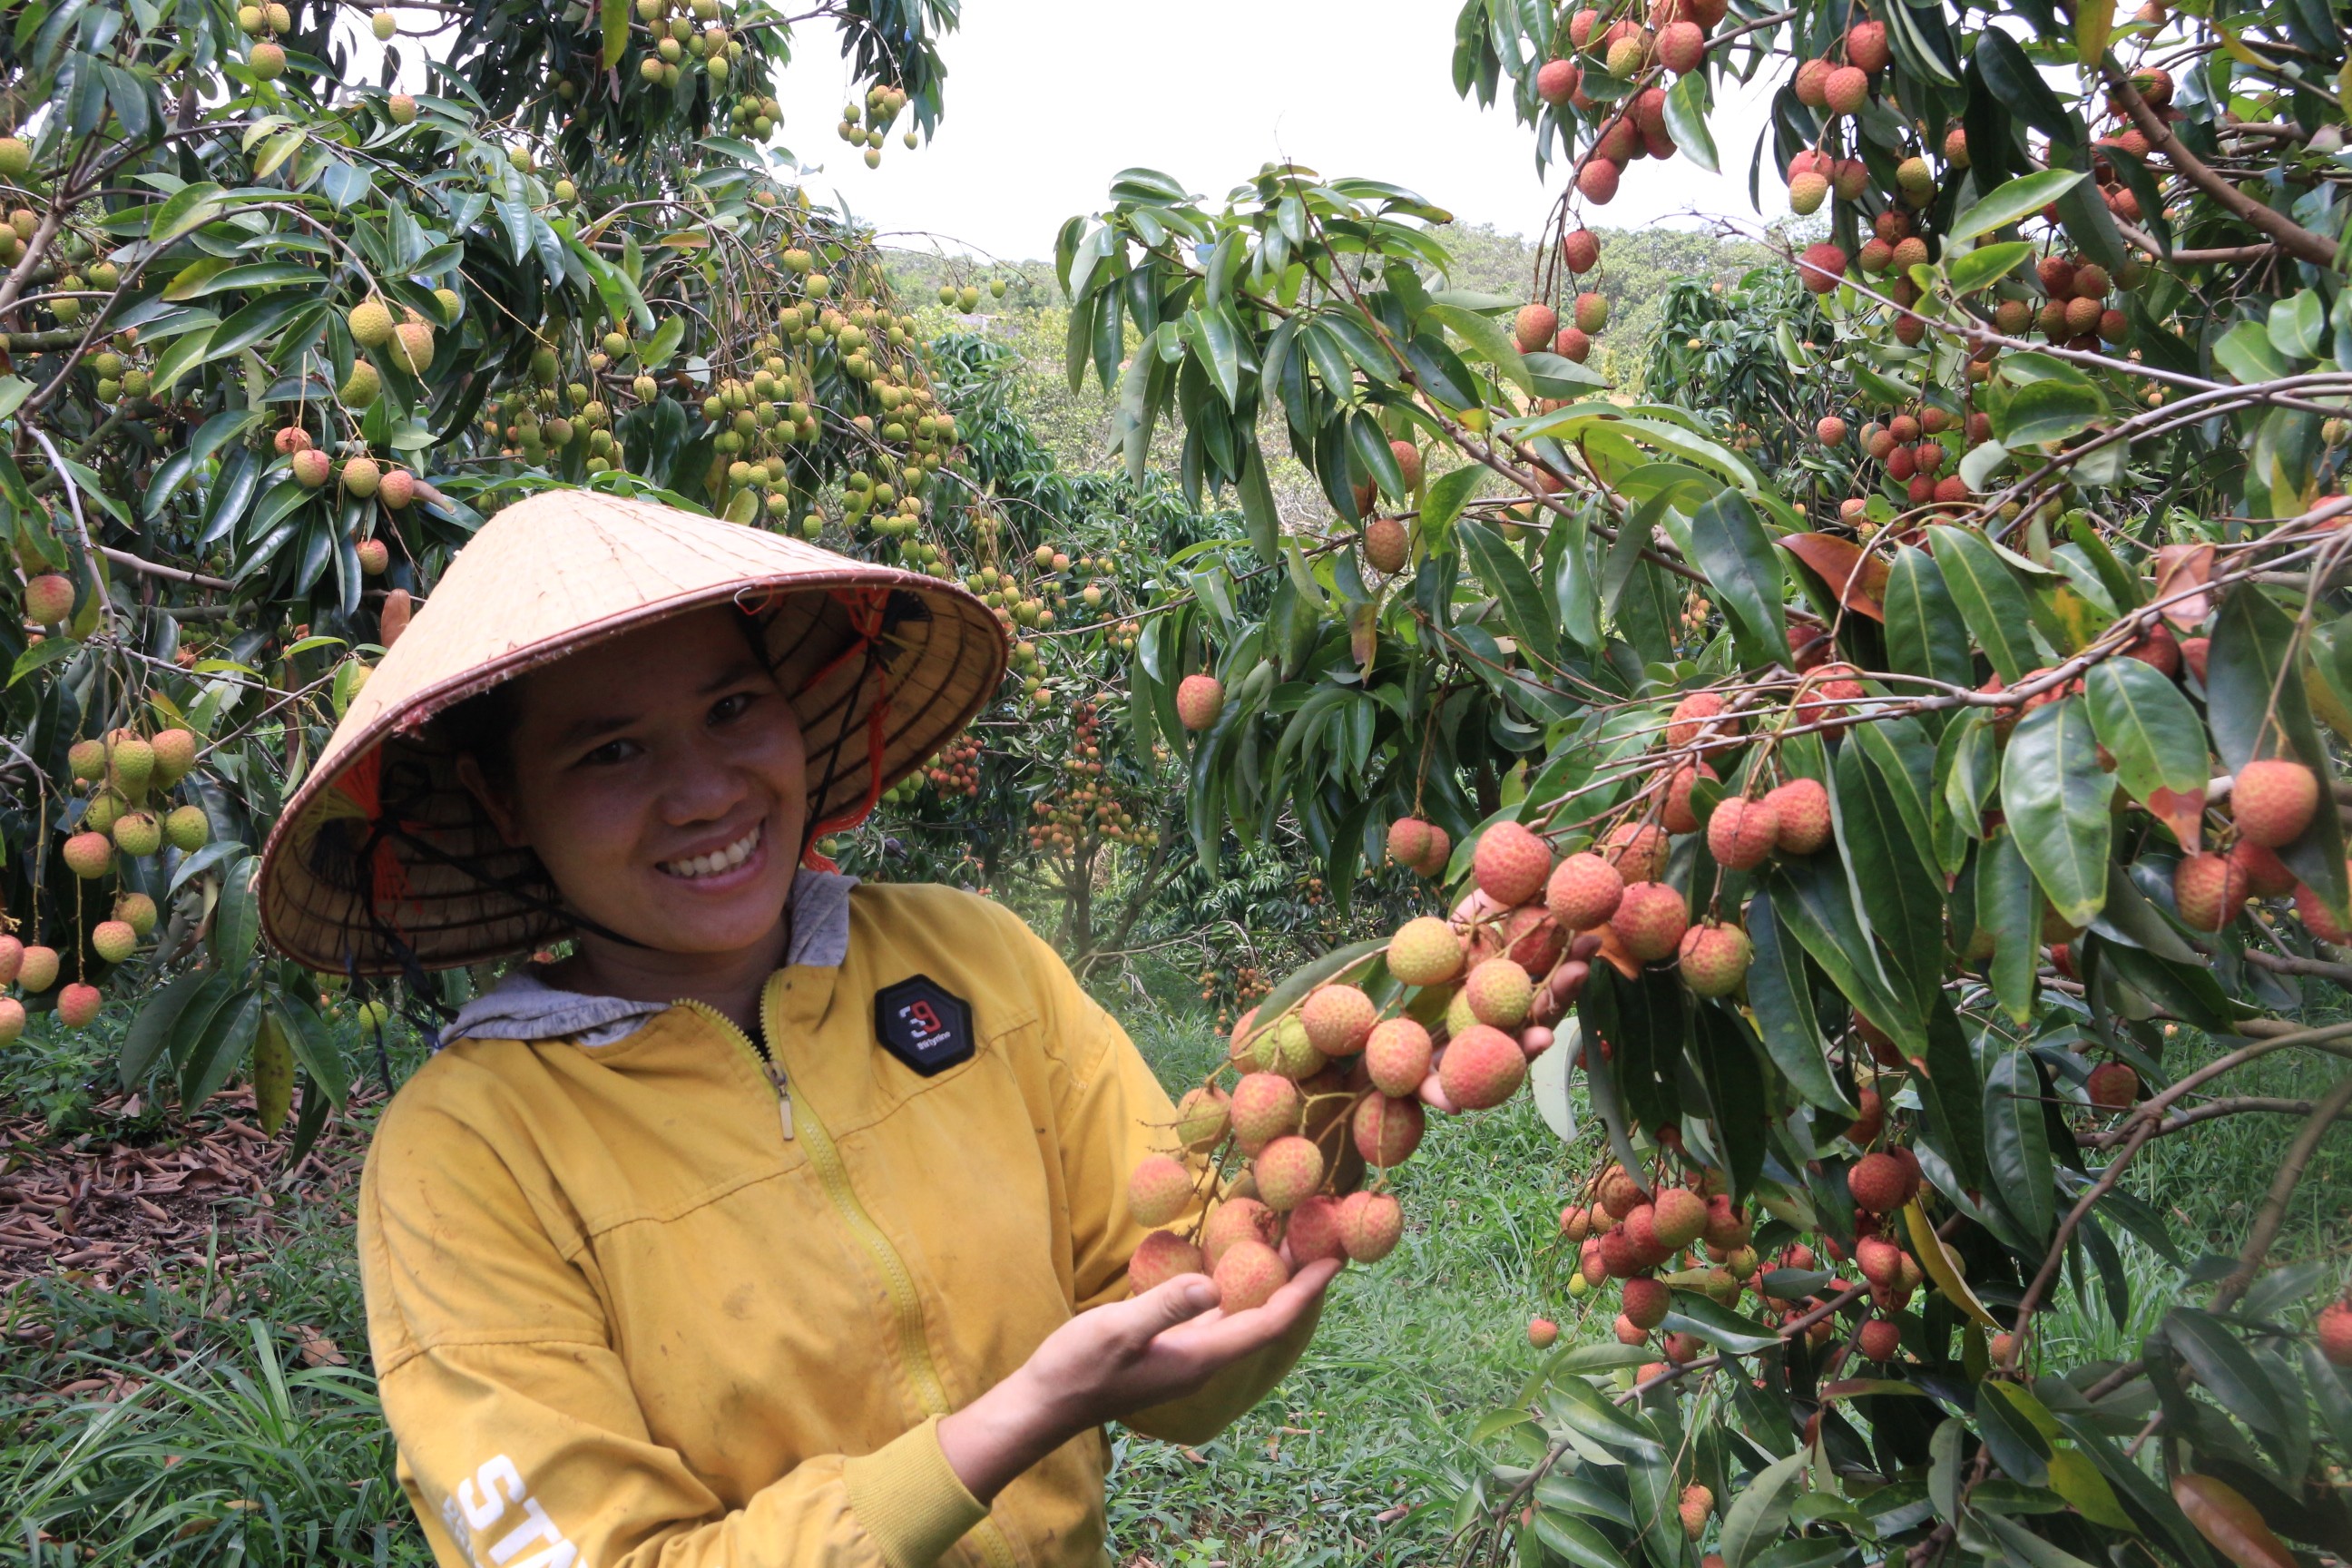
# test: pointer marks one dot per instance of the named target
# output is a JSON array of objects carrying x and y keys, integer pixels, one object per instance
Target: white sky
[{"x": 1046, "y": 99}]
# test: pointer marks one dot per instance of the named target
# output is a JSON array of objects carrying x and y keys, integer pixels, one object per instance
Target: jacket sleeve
[
  {"x": 1113, "y": 1115},
  {"x": 521, "y": 1442}
]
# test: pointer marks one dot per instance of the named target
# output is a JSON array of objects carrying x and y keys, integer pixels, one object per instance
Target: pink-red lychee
[
  {"x": 1584, "y": 892},
  {"x": 1879, "y": 1184},
  {"x": 1638, "y": 850},
  {"x": 1159, "y": 1190},
  {"x": 1160, "y": 1258},
  {"x": 1396, "y": 1056},
  {"x": 1288, "y": 1170},
  {"x": 1742, "y": 832},
  {"x": 1482, "y": 1067},
  {"x": 2209, "y": 890},
  {"x": 1801, "y": 810},
  {"x": 1678, "y": 1217},
  {"x": 2272, "y": 801},
  {"x": 1371, "y": 1224},
  {"x": 1248, "y": 1274},
  {"x": 1337, "y": 1018},
  {"x": 1715, "y": 959},
  {"x": 1264, "y": 1107},
  {"x": 1236, "y": 1220},
  {"x": 1650, "y": 920},
  {"x": 1312, "y": 1231},
  {"x": 1880, "y": 1340},
  {"x": 1388, "y": 1128},
  {"x": 1511, "y": 863},
  {"x": 1199, "y": 699},
  {"x": 1692, "y": 715}
]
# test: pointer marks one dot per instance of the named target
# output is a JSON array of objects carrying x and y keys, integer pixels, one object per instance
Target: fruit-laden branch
[
  {"x": 2212, "y": 1110},
  {"x": 2272, "y": 1213},
  {"x": 2298, "y": 241},
  {"x": 129, "y": 562}
]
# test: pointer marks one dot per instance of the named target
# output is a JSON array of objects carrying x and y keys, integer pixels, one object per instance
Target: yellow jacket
[{"x": 636, "y": 1303}]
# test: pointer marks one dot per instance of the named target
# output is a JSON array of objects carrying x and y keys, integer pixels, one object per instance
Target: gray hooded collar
[{"x": 521, "y": 1006}]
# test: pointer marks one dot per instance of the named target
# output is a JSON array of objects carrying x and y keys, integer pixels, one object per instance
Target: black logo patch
[{"x": 922, "y": 1025}]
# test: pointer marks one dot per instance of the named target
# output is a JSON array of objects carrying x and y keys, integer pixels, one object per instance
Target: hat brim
[{"x": 383, "y": 859}]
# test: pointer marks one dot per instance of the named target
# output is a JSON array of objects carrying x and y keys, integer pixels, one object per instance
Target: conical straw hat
[{"x": 382, "y": 860}]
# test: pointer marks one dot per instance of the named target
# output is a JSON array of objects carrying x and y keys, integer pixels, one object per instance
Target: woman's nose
[{"x": 700, "y": 785}]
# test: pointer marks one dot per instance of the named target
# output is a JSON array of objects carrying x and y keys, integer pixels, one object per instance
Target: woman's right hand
[{"x": 1112, "y": 1361}]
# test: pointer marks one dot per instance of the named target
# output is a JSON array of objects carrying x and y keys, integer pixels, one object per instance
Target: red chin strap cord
[{"x": 866, "y": 609}]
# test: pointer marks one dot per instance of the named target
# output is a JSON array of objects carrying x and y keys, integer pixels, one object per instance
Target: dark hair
[{"x": 482, "y": 727}]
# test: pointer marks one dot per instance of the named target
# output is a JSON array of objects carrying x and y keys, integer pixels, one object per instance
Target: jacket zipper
[{"x": 825, "y": 1156}]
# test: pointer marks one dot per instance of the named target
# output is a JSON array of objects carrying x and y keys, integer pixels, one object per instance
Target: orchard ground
[{"x": 228, "y": 1394}]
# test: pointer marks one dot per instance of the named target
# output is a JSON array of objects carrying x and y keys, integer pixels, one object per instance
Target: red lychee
[
  {"x": 1388, "y": 545},
  {"x": 1715, "y": 959},
  {"x": 1597, "y": 181},
  {"x": 1697, "y": 1502},
  {"x": 1646, "y": 1301},
  {"x": 1621, "y": 1195},
  {"x": 1691, "y": 715},
  {"x": 1511, "y": 863},
  {"x": 1727, "y": 1225},
  {"x": 1288, "y": 1170},
  {"x": 2335, "y": 1333},
  {"x": 1879, "y": 1184},
  {"x": 2266, "y": 876},
  {"x": 2272, "y": 801},
  {"x": 1802, "y": 812},
  {"x": 1880, "y": 1340},
  {"x": 1821, "y": 266},
  {"x": 1159, "y": 1190},
  {"x": 1542, "y": 1332},
  {"x": 2112, "y": 1086},
  {"x": 78, "y": 1004},
  {"x": 2317, "y": 918},
  {"x": 1557, "y": 80},
  {"x": 1312, "y": 1231},
  {"x": 1829, "y": 430},
  {"x": 1499, "y": 993},
  {"x": 1236, "y": 1220},
  {"x": 1533, "y": 328},
  {"x": 1638, "y": 850},
  {"x": 1865, "y": 46},
  {"x": 2209, "y": 890},
  {"x": 1482, "y": 1067},
  {"x": 1388, "y": 1128},
  {"x": 1677, "y": 814},
  {"x": 1679, "y": 1218},
  {"x": 1584, "y": 892},
  {"x": 1160, "y": 1258},
  {"x": 1880, "y": 1260},
  {"x": 1396, "y": 1056},
  {"x": 1683, "y": 47},
  {"x": 36, "y": 971},
  {"x": 1264, "y": 1107},
  {"x": 1650, "y": 920},
  {"x": 1199, "y": 699},
  {"x": 1580, "y": 250},
  {"x": 1337, "y": 1018},
  {"x": 1742, "y": 832},
  {"x": 1248, "y": 1274},
  {"x": 1370, "y": 1223}
]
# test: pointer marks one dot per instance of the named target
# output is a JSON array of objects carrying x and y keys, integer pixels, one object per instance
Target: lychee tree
[{"x": 1886, "y": 843}]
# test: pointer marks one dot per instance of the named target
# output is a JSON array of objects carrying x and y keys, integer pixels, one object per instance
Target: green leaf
[
  {"x": 314, "y": 1047},
  {"x": 1986, "y": 265},
  {"x": 2055, "y": 797},
  {"x": 236, "y": 920},
  {"x": 1813, "y": 898},
  {"x": 2094, "y": 22},
  {"x": 2017, "y": 1141},
  {"x": 2298, "y": 326},
  {"x": 1443, "y": 498},
  {"x": 615, "y": 24},
  {"x": 2247, "y": 352},
  {"x": 1486, "y": 339},
  {"x": 41, "y": 655},
  {"x": 2230, "y": 1373},
  {"x": 1926, "y": 634},
  {"x": 217, "y": 1051},
  {"x": 1576, "y": 1541},
  {"x": 151, "y": 1031},
  {"x": 1688, "y": 103},
  {"x": 2045, "y": 410},
  {"x": 1258, "y": 511},
  {"x": 1728, "y": 540},
  {"x": 1781, "y": 994},
  {"x": 1759, "y": 1512},
  {"x": 2021, "y": 1545},
  {"x": 1499, "y": 566},
  {"x": 2014, "y": 201},
  {"x": 186, "y": 352},
  {"x": 1989, "y": 598},
  {"x": 1899, "y": 895},
  {"x": 185, "y": 210},
  {"x": 2009, "y": 910},
  {"x": 1719, "y": 1326},
  {"x": 2158, "y": 742}
]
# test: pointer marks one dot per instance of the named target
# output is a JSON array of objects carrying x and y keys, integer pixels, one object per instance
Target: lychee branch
[{"x": 2297, "y": 240}]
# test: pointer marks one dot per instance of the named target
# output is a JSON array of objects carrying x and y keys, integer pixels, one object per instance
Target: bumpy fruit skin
[
  {"x": 1691, "y": 715},
  {"x": 1337, "y": 1018},
  {"x": 38, "y": 969},
  {"x": 1822, "y": 267},
  {"x": 1679, "y": 1216},
  {"x": 1742, "y": 833},
  {"x": 12, "y": 959},
  {"x": 1499, "y": 993},
  {"x": 1542, "y": 1332},
  {"x": 187, "y": 827},
  {"x": 12, "y": 1020},
  {"x": 48, "y": 598},
  {"x": 2209, "y": 890},
  {"x": 1650, "y": 920},
  {"x": 1248, "y": 1274},
  {"x": 1425, "y": 952},
  {"x": 1312, "y": 1231},
  {"x": 1199, "y": 699},
  {"x": 1285, "y": 1048},
  {"x": 2317, "y": 918},
  {"x": 2112, "y": 1086},
  {"x": 78, "y": 1004},
  {"x": 1408, "y": 841},
  {"x": 1482, "y": 1067},
  {"x": 1511, "y": 863},
  {"x": 1580, "y": 250},
  {"x": 1879, "y": 1183},
  {"x": 1800, "y": 809},
  {"x": 1697, "y": 1502},
  {"x": 1387, "y": 1130},
  {"x": 1264, "y": 1107},
  {"x": 2272, "y": 801},
  {"x": 1880, "y": 1340},
  {"x": 1236, "y": 1220},
  {"x": 1584, "y": 892},
  {"x": 113, "y": 940},
  {"x": 176, "y": 754},
  {"x": 1203, "y": 1117},
  {"x": 1161, "y": 1257},
  {"x": 137, "y": 834},
  {"x": 2266, "y": 876},
  {"x": 1371, "y": 1224},
  {"x": 89, "y": 854},
  {"x": 2335, "y": 1332},
  {"x": 370, "y": 323},
  {"x": 1533, "y": 328},
  {"x": 1715, "y": 959},
  {"x": 87, "y": 760},
  {"x": 1646, "y": 1301},
  {"x": 1288, "y": 1170},
  {"x": 1388, "y": 544},
  {"x": 1396, "y": 1056},
  {"x": 1638, "y": 850},
  {"x": 1159, "y": 1190}
]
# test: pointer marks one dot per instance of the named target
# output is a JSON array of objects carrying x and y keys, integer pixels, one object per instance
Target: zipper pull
[{"x": 783, "y": 1097}]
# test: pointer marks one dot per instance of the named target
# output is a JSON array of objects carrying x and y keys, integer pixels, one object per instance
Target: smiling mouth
[{"x": 694, "y": 866}]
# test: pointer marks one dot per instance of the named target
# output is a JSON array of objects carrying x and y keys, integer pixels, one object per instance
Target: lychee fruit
[
  {"x": 1697, "y": 1502},
  {"x": 1233, "y": 1221},
  {"x": 1415, "y": 844},
  {"x": 1801, "y": 810},
  {"x": 1678, "y": 1217},
  {"x": 1597, "y": 181},
  {"x": 175, "y": 755},
  {"x": 1542, "y": 1332},
  {"x": 1199, "y": 699},
  {"x": 1881, "y": 1338},
  {"x": 1285, "y": 1048},
  {"x": 369, "y": 323},
  {"x": 1371, "y": 1224},
  {"x": 2272, "y": 801},
  {"x": 1534, "y": 327},
  {"x": 1880, "y": 1260},
  {"x": 1425, "y": 952},
  {"x": 2317, "y": 918},
  {"x": 78, "y": 1004},
  {"x": 1683, "y": 47},
  {"x": 12, "y": 1020},
  {"x": 1248, "y": 1274},
  {"x": 1715, "y": 959},
  {"x": 1691, "y": 715},
  {"x": 1511, "y": 863},
  {"x": 2112, "y": 1086},
  {"x": 1396, "y": 1056},
  {"x": 312, "y": 468},
  {"x": 1337, "y": 1018},
  {"x": 1482, "y": 1067},
  {"x": 113, "y": 940},
  {"x": 1584, "y": 892},
  {"x": 1556, "y": 82},
  {"x": 1646, "y": 1301},
  {"x": 1638, "y": 850},
  {"x": 1288, "y": 1170},
  {"x": 1879, "y": 1183},
  {"x": 1742, "y": 832},
  {"x": 1388, "y": 1128},
  {"x": 1532, "y": 939},
  {"x": 1726, "y": 1227},
  {"x": 2335, "y": 1332},
  {"x": 1592, "y": 312},
  {"x": 138, "y": 834},
  {"x": 1621, "y": 1195},
  {"x": 1580, "y": 250},
  {"x": 1499, "y": 993},
  {"x": 1161, "y": 1257},
  {"x": 1159, "y": 1190},
  {"x": 2209, "y": 890},
  {"x": 48, "y": 598},
  {"x": 1312, "y": 1231},
  {"x": 1865, "y": 46},
  {"x": 2266, "y": 875},
  {"x": 1264, "y": 1107},
  {"x": 187, "y": 827},
  {"x": 38, "y": 969},
  {"x": 1388, "y": 545},
  {"x": 1846, "y": 90},
  {"x": 1202, "y": 1119},
  {"x": 1650, "y": 920},
  {"x": 89, "y": 854}
]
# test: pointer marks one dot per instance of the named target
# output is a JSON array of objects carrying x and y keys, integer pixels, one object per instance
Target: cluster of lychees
[
  {"x": 1615, "y": 50},
  {"x": 1088, "y": 808},
  {"x": 956, "y": 769}
]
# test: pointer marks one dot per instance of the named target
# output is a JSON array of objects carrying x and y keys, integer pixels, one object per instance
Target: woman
[{"x": 785, "y": 1220}]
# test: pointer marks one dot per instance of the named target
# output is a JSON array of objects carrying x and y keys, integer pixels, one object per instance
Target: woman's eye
[
  {"x": 609, "y": 752},
  {"x": 731, "y": 707}
]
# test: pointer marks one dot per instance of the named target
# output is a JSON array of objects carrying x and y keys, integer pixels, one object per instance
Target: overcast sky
[{"x": 1046, "y": 99}]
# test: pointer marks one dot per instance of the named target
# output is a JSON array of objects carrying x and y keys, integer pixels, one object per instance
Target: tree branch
[{"x": 2291, "y": 236}]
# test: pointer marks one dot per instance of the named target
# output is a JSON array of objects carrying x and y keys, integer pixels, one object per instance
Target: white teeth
[{"x": 725, "y": 860}]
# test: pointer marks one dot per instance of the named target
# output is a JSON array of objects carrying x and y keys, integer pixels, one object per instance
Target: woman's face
[{"x": 661, "y": 779}]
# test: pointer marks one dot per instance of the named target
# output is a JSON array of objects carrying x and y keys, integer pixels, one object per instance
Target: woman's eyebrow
[
  {"x": 735, "y": 674},
  {"x": 594, "y": 727}
]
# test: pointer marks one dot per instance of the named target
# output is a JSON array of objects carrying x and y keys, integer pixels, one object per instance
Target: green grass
[{"x": 231, "y": 1446}]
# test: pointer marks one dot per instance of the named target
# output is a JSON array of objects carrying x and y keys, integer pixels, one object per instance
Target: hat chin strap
[{"x": 868, "y": 616}]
